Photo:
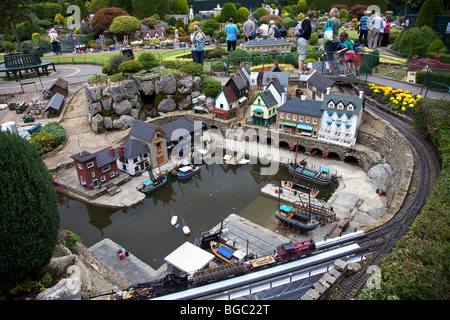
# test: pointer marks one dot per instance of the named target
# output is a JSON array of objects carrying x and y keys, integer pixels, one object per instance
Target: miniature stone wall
[{"x": 116, "y": 106}]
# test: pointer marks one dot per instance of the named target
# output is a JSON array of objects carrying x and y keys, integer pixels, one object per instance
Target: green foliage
[
  {"x": 44, "y": 142},
  {"x": 104, "y": 17},
  {"x": 210, "y": 86},
  {"x": 415, "y": 40},
  {"x": 302, "y": 6},
  {"x": 260, "y": 12},
  {"x": 28, "y": 285},
  {"x": 242, "y": 14},
  {"x": 130, "y": 66},
  {"x": 97, "y": 5},
  {"x": 126, "y": 5},
  {"x": 83, "y": 10},
  {"x": 56, "y": 129},
  {"x": 114, "y": 63},
  {"x": 71, "y": 239},
  {"x": 192, "y": 68},
  {"x": 228, "y": 11},
  {"x": 172, "y": 21},
  {"x": 28, "y": 210},
  {"x": 124, "y": 24},
  {"x": 428, "y": 12},
  {"x": 148, "y": 60},
  {"x": 343, "y": 14},
  {"x": 209, "y": 26},
  {"x": 180, "y": 7},
  {"x": 437, "y": 46}
]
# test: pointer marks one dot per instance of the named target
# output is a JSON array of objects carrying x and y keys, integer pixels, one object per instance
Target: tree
[
  {"x": 126, "y": 5},
  {"x": 428, "y": 12},
  {"x": 228, "y": 11},
  {"x": 147, "y": 61},
  {"x": 28, "y": 210},
  {"x": 180, "y": 7},
  {"x": 243, "y": 14},
  {"x": 83, "y": 10},
  {"x": 302, "y": 6},
  {"x": 210, "y": 26},
  {"x": 97, "y": 5},
  {"x": 130, "y": 66},
  {"x": 104, "y": 17},
  {"x": 143, "y": 9},
  {"x": 124, "y": 24},
  {"x": 13, "y": 12}
]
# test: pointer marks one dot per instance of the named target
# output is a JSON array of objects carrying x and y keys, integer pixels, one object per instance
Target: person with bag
[
  {"x": 331, "y": 37},
  {"x": 364, "y": 28},
  {"x": 198, "y": 45},
  {"x": 349, "y": 53},
  {"x": 303, "y": 34}
]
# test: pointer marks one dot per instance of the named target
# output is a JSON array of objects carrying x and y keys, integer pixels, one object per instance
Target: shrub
[
  {"x": 148, "y": 60},
  {"x": 243, "y": 14},
  {"x": 415, "y": 40},
  {"x": 428, "y": 12},
  {"x": 192, "y": 68},
  {"x": 210, "y": 26},
  {"x": 115, "y": 61},
  {"x": 56, "y": 129},
  {"x": 228, "y": 11},
  {"x": 210, "y": 86},
  {"x": 130, "y": 66},
  {"x": 436, "y": 46}
]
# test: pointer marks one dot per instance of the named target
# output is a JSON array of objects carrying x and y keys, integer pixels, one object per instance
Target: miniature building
[
  {"x": 278, "y": 91},
  {"x": 55, "y": 105},
  {"x": 262, "y": 78},
  {"x": 181, "y": 133},
  {"x": 134, "y": 156},
  {"x": 263, "y": 109},
  {"x": 154, "y": 137},
  {"x": 342, "y": 115},
  {"x": 317, "y": 84},
  {"x": 95, "y": 169},
  {"x": 266, "y": 45},
  {"x": 150, "y": 34},
  {"x": 225, "y": 103},
  {"x": 300, "y": 115},
  {"x": 61, "y": 86},
  {"x": 417, "y": 64},
  {"x": 238, "y": 85}
]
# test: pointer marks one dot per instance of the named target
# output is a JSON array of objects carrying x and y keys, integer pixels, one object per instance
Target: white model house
[
  {"x": 341, "y": 118},
  {"x": 134, "y": 156}
]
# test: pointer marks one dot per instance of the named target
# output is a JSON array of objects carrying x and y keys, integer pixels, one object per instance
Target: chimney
[
  {"x": 120, "y": 150},
  {"x": 283, "y": 98},
  {"x": 303, "y": 97},
  {"x": 328, "y": 91},
  {"x": 111, "y": 150},
  {"x": 361, "y": 94}
]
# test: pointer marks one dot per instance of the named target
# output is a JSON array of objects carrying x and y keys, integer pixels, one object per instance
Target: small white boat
[
  {"x": 173, "y": 220},
  {"x": 186, "y": 229}
]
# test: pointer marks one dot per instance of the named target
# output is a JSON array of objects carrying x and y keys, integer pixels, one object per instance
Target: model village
[{"x": 312, "y": 117}]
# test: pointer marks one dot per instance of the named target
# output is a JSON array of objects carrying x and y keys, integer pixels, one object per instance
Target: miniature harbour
[{"x": 252, "y": 227}]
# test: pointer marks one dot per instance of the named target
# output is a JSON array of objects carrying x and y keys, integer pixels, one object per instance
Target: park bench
[{"x": 16, "y": 62}]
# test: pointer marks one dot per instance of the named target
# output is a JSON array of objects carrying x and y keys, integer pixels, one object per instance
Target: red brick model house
[{"x": 96, "y": 169}]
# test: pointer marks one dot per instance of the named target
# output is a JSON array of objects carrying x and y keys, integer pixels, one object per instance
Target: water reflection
[{"x": 217, "y": 191}]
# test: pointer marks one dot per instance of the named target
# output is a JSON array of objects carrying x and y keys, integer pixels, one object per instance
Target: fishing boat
[
  {"x": 321, "y": 177},
  {"x": 183, "y": 163},
  {"x": 225, "y": 253},
  {"x": 188, "y": 171},
  {"x": 151, "y": 185},
  {"x": 288, "y": 215},
  {"x": 204, "y": 153}
]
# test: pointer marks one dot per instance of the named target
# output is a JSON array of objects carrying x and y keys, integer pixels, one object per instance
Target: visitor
[
  {"x": 349, "y": 54},
  {"x": 375, "y": 31},
  {"x": 263, "y": 30},
  {"x": 383, "y": 25},
  {"x": 271, "y": 34},
  {"x": 231, "y": 31},
  {"x": 359, "y": 51},
  {"x": 53, "y": 35},
  {"x": 331, "y": 46},
  {"x": 249, "y": 28},
  {"x": 198, "y": 45},
  {"x": 303, "y": 39},
  {"x": 387, "y": 31},
  {"x": 364, "y": 28}
]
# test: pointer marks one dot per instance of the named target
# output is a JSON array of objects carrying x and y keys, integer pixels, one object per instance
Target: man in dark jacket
[{"x": 303, "y": 40}]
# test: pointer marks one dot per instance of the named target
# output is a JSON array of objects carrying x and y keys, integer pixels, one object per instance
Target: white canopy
[{"x": 189, "y": 258}]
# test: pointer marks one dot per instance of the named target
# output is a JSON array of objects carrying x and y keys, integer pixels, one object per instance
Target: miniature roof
[
  {"x": 143, "y": 131},
  {"x": 229, "y": 94},
  {"x": 276, "y": 83},
  {"x": 133, "y": 147},
  {"x": 268, "y": 98},
  {"x": 306, "y": 107},
  {"x": 189, "y": 258},
  {"x": 83, "y": 157},
  {"x": 104, "y": 157},
  {"x": 319, "y": 81},
  {"x": 179, "y": 128},
  {"x": 60, "y": 82},
  {"x": 240, "y": 84},
  {"x": 55, "y": 102},
  {"x": 266, "y": 42},
  {"x": 268, "y": 76},
  {"x": 346, "y": 99}
]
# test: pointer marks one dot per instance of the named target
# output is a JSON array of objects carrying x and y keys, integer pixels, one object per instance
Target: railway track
[{"x": 382, "y": 239}]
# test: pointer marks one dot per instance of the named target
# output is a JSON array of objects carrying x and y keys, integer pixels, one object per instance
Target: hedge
[{"x": 435, "y": 76}]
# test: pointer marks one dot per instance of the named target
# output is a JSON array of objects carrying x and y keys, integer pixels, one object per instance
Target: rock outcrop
[{"x": 116, "y": 106}]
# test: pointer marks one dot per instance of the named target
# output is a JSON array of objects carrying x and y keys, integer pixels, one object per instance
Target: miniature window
[
  {"x": 331, "y": 104},
  {"x": 281, "y": 115},
  {"x": 106, "y": 168},
  {"x": 90, "y": 164},
  {"x": 350, "y": 107},
  {"x": 314, "y": 120},
  {"x": 83, "y": 181},
  {"x": 112, "y": 174},
  {"x": 103, "y": 179},
  {"x": 340, "y": 106},
  {"x": 93, "y": 174},
  {"x": 308, "y": 119},
  {"x": 288, "y": 116},
  {"x": 300, "y": 119},
  {"x": 221, "y": 106},
  {"x": 294, "y": 117},
  {"x": 80, "y": 166}
]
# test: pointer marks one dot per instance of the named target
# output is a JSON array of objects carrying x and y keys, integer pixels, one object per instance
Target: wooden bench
[{"x": 16, "y": 63}]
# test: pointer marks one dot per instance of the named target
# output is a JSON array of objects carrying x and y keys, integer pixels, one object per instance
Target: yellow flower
[
  {"x": 376, "y": 91},
  {"x": 411, "y": 105},
  {"x": 392, "y": 98},
  {"x": 403, "y": 109},
  {"x": 419, "y": 96}
]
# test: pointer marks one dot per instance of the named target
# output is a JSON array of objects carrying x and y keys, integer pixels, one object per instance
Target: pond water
[{"x": 214, "y": 193}]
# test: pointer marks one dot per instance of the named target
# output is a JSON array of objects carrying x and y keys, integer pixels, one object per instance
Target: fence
[{"x": 209, "y": 5}]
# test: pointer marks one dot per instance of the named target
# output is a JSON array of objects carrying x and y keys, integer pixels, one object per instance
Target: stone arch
[
  {"x": 318, "y": 151},
  {"x": 351, "y": 160},
  {"x": 283, "y": 144},
  {"x": 333, "y": 156}
]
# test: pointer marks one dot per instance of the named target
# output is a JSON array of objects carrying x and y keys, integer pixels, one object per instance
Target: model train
[{"x": 177, "y": 282}]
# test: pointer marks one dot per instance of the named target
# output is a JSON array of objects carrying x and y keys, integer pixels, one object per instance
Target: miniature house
[
  {"x": 266, "y": 45},
  {"x": 278, "y": 91},
  {"x": 95, "y": 169},
  {"x": 317, "y": 84},
  {"x": 300, "y": 116},
  {"x": 55, "y": 105},
  {"x": 342, "y": 115},
  {"x": 225, "y": 104},
  {"x": 134, "y": 156},
  {"x": 263, "y": 109},
  {"x": 61, "y": 86}
]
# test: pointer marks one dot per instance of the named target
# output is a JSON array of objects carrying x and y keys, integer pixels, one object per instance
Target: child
[{"x": 349, "y": 53}]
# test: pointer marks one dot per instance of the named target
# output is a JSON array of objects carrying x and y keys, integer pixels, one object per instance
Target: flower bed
[{"x": 396, "y": 99}]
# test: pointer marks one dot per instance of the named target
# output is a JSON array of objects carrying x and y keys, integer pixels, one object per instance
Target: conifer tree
[{"x": 29, "y": 218}]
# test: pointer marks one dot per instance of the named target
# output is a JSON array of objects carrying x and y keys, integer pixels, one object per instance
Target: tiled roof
[
  {"x": 345, "y": 99},
  {"x": 229, "y": 94},
  {"x": 268, "y": 98},
  {"x": 283, "y": 77},
  {"x": 142, "y": 130},
  {"x": 55, "y": 102},
  {"x": 319, "y": 81},
  {"x": 85, "y": 156},
  {"x": 183, "y": 125},
  {"x": 304, "y": 107},
  {"x": 104, "y": 157},
  {"x": 276, "y": 83},
  {"x": 133, "y": 148}
]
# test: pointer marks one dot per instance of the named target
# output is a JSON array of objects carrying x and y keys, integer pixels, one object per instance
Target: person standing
[
  {"x": 386, "y": 32},
  {"x": 263, "y": 30},
  {"x": 271, "y": 34},
  {"x": 330, "y": 46},
  {"x": 231, "y": 31},
  {"x": 349, "y": 54},
  {"x": 198, "y": 45},
  {"x": 380, "y": 36},
  {"x": 375, "y": 31},
  {"x": 249, "y": 28},
  {"x": 303, "y": 40},
  {"x": 53, "y": 35},
  {"x": 364, "y": 28}
]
